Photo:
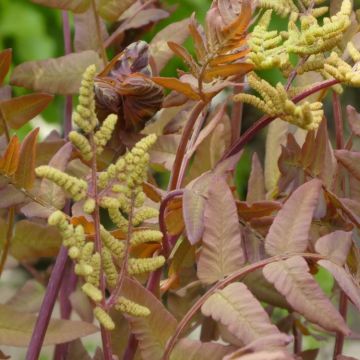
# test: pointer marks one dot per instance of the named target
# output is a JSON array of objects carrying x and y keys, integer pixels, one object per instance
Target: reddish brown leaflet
[{"x": 123, "y": 88}]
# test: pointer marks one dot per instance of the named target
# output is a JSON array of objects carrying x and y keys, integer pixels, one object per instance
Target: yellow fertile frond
[
  {"x": 83, "y": 269},
  {"x": 103, "y": 135},
  {"x": 116, "y": 247},
  {"x": 353, "y": 51},
  {"x": 118, "y": 219},
  {"x": 313, "y": 38},
  {"x": 143, "y": 214},
  {"x": 82, "y": 144},
  {"x": 92, "y": 292},
  {"x": 282, "y": 7},
  {"x": 342, "y": 71},
  {"x": 94, "y": 277},
  {"x": 141, "y": 266},
  {"x": 84, "y": 116},
  {"x": 130, "y": 307},
  {"x": 267, "y": 50},
  {"x": 104, "y": 318},
  {"x": 143, "y": 236},
  {"x": 107, "y": 202},
  {"x": 276, "y": 103},
  {"x": 66, "y": 229},
  {"x": 89, "y": 205},
  {"x": 109, "y": 268},
  {"x": 76, "y": 188}
]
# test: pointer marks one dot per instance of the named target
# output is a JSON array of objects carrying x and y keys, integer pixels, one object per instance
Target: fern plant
[{"x": 143, "y": 210}]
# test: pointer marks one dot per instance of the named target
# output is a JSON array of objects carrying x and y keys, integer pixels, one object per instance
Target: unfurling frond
[{"x": 275, "y": 102}]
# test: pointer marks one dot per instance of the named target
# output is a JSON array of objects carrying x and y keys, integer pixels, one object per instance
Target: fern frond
[
  {"x": 267, "y": 50},
  {"x": 276, "y": 103}
]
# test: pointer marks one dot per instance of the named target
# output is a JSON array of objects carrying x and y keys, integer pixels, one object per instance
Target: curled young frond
[
  {"x": 275, "y": 102},
  {"x": 314, "y": 38},
  {"x": 84, "y": 116},
  {"x": 76, "y": 188},
  {"x": 103, "y": 135},
  {"x": 104, "y": 318},
  {"x": 82, "y": 144},
  {"x": 129, "y": 307},
  {"x": 141, "y": 266}
]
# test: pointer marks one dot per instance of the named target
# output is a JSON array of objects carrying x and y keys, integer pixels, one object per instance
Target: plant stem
[
  {"x": 123, "y": 271},
  {"x": 155, "y": 276},
  {"x": 297, "y": 338},
  {"x": 68, "y": 285},
  {"x": 339, "y": 340},
  {"x": 189, "y": 150},
  {"x": 220, "y": 285},
  {"x": 131, "y": 348},
  {"x": 162, "y": 225},
  {"x": 5, "y": 126},
  {"x": 98, "y": 33},
  {"x": 180, "y": 153},
  {"x": 11, "y": 211},
  {"x": 9, "y": 233},
  {"x": 105, "y": 335},
  {"x": 339, "y": 131},
  {"x": 153, "y": 287},
  {"x": 339, "y": 134},
  {"x": 62, "y": 260},
  {"x": 66, "y": 288},
  {"x": 236, "y": 115},
  {"x": 47, "y": 305}
]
